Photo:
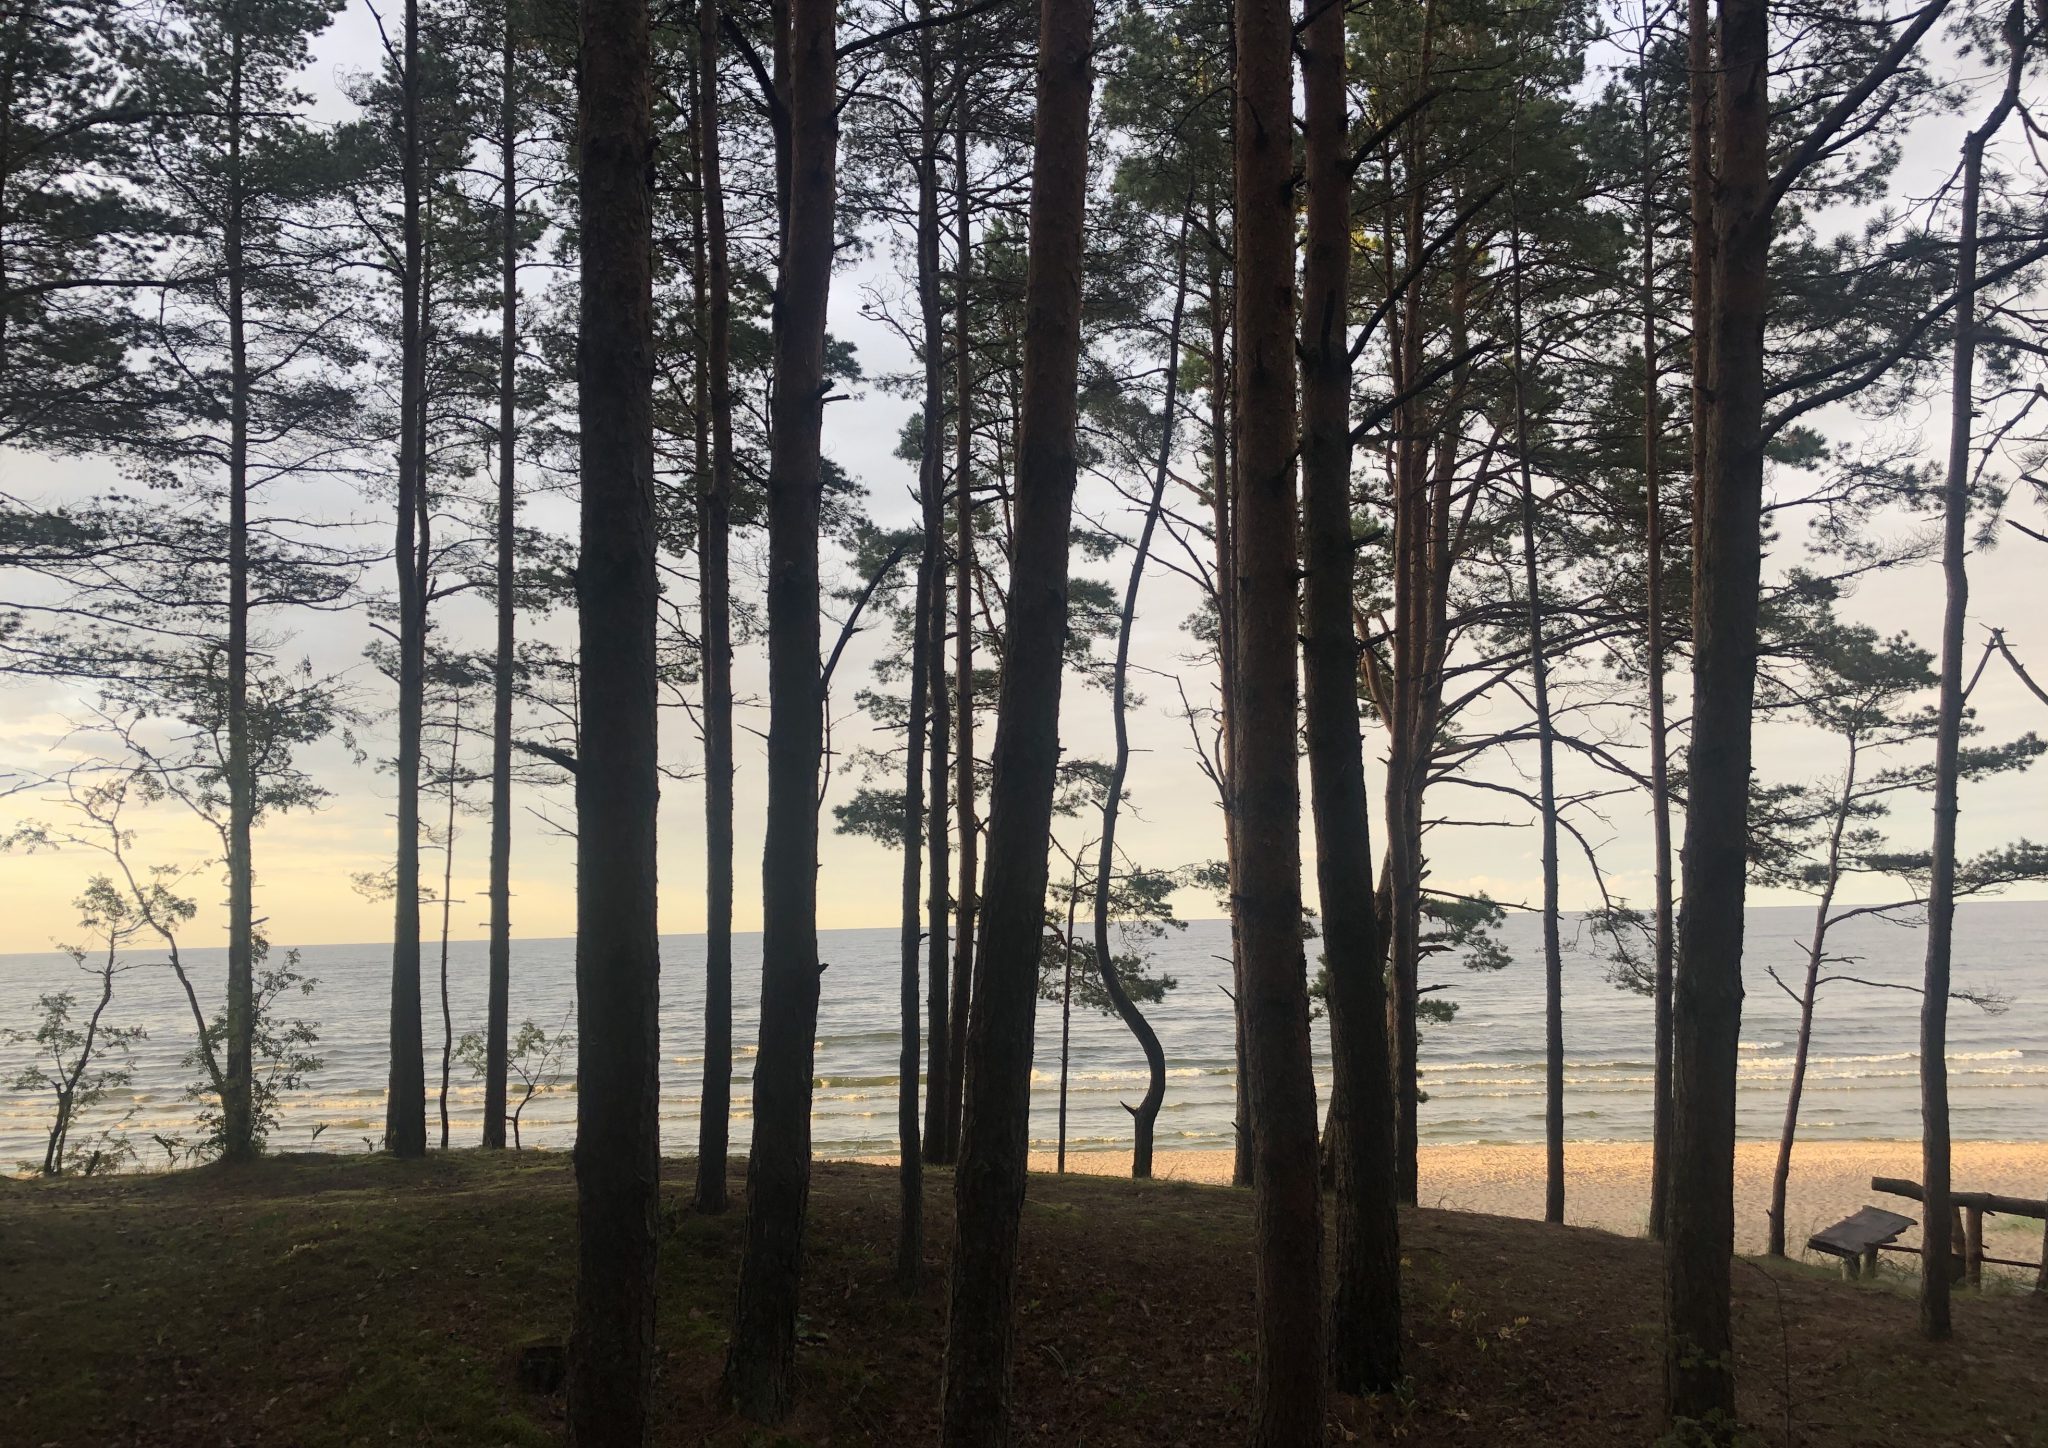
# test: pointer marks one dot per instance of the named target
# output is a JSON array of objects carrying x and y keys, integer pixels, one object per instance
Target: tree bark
[
  {"x": 762, "y": 1364},
  {"x": 1145, "y": 1115},
  {"x": 498, "y": 1010},
  {"x": 1365, "y": 1305},
  {"x": 909, "y": 1154},
  {"x": 927, "y": 682},
  {"x": 611, "y": 1345},
  {"x": 1941, "y": 881},
  {"x": 1287, "y": 1211},
  {"x": 989, "y": 1182},
  {"x": 1699, "y": 1369},
  {"x": 714, "y": 1118},
  {"x": 1656, "y": 647},
  {"x": 1226, "y": 679},
  {"x": 405, "y": 1103},
  {"x": 950, "y": 1081},
  {"x": 238, "y": 1105},
  {"x": 1816, "y": 955},
  {"x": 447, "y": 913},
  {"x": 1546, "y": 767},
  {"x": 932, "y": 618}
]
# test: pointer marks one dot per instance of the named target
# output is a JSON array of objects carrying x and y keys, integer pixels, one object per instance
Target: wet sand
[{"x": 1607, "y": 1183}]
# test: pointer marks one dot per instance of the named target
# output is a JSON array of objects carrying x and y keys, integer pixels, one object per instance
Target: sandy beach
[{"x": 1607, "y": 1183}]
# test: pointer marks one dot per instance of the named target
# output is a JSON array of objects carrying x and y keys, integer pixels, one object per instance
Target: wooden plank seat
[{"x": 1856, "y": 1239}]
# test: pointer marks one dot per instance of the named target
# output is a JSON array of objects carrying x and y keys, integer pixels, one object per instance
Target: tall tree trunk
[
  {"x": 927, "y": 682},
  {"x": 909, "y": 1154},
  {"x": 995, "y": 1138},
  {"x": 1699, "y": 1368},
  {"x": 715, "y": 609},
  {"x": 1365, "y": 1305},
  {"x": 1656, "y": 646},
  {"x": 447, "y": 914},
  {"x": 1145, "y": 1115},
  {"x": 618, "y": 971},
  {"x": 761, "y": 1368},
  {"x": 405, "y": 1103},
  {"x": 499, "y": 1009},
  {"x": 948, "y": 1082},
  {"x": 1546, "y": 767},
  {"x": 1941, "y": 880},
  {"x": 932, "y": 621},
  {"x": 238, "y": 1103},
  {"x": 1287, "y": 1210},
  {"x": 1226, "y": 682},
  {"x": 1816, "y": 955}
]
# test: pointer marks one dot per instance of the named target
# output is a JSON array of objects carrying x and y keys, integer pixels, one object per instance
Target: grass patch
[{"x": 326, "y": 1301}]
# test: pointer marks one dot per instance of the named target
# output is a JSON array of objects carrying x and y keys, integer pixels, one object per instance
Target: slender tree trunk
[
  {"x": 238, "y": 1103},
  {"x": 1408, "y": 729},
  {"x": 927, "y": 681},
  {"x": 498, "y": 1012},
  {"x": 932, "y": 620},
  {"x": 1287, "y": 1211},
  {"x": 1067, "y": 1019},
  {"x": 1816, "y": 954},
  {"x": 611, "y": 1345},
  {"x": 1699, "y": 1369},
  {"x": 1941, "y": 880},
  {"x": 1226, "y": 681},
  {"x": 1546, "y": 775},
  {"x": 405, "y": 1103},
  {"x": 909, "y": 1155},
  {"x": 715, "y": 608},
  {"x": 1656, "y": 647},
  {"x": 949, "y": 1081},
  {"x": 1145, "y": 1115},
  {"x": 1365, "y": 1306},
  {"x": 447, "y": 910},
  {"x": 761, "y": 1368},
  {"x": 995, "y": 1139}
]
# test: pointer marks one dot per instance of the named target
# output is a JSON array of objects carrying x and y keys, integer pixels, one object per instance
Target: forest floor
[{"x": 328, "y": 1300}]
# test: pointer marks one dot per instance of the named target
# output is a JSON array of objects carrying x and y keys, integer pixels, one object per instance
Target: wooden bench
[{"x": 1856, "y": 1239}]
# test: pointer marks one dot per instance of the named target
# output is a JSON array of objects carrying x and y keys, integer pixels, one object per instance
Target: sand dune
[{"x": 1607, "y": 1183}]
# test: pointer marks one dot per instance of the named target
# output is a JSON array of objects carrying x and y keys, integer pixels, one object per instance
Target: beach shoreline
[{"x": 1607, "y": 1183}]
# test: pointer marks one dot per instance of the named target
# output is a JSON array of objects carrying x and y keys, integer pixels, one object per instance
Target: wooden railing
[{"x": 1966, "y": 1227}]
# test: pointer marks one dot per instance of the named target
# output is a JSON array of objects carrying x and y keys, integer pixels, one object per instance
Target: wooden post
[
  {"x": 1973, "y": 1250},
  {"x": 1870, "y": 1261},
  {"x": 1957, "y": 1257}
]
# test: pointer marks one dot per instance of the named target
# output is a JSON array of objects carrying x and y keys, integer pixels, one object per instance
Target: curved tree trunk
[
  {"x": 714, "y": 1118},
  {"x": 1145, "y": 1115},
  {"x": 1287, "y": 1390},
  {"x": 405, "y": 1104},
  {"x": 1941, "y": 883},
  {"x": 1816, "y": 955},
  {"x": 761, "y": 1368},
  {"x": 989, "y": 1182},
  {"x": 618, "y": 970},
  {"x": 1365, "y": 1306}
]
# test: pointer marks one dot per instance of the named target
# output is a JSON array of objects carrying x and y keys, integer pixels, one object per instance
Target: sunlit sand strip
[{"x": 1607, "y": 1184}]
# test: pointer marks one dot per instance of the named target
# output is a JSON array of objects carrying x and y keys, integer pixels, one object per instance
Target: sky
[{"x": 305, "y": 861}]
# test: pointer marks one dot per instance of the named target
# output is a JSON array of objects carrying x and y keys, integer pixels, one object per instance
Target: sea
[{"x": 1482, "y": 1070}]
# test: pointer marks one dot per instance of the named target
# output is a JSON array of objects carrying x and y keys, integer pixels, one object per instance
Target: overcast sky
[{"x": 304, "y": 861}]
